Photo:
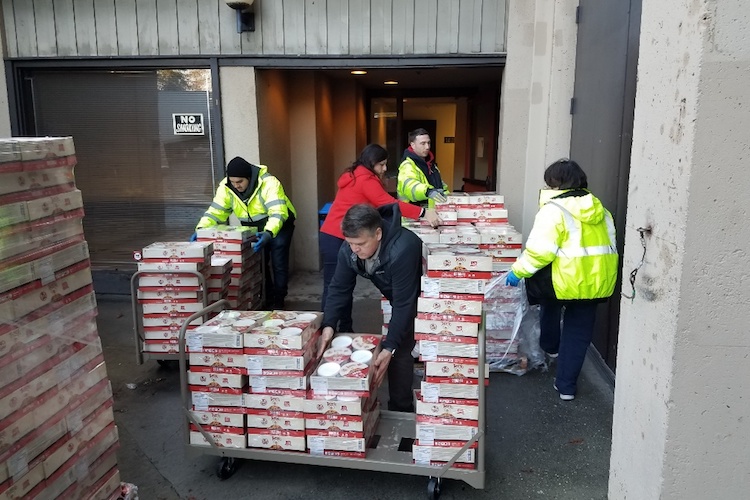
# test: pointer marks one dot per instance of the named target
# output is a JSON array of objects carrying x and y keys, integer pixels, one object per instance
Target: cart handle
[{"x": 449, "y": 464}]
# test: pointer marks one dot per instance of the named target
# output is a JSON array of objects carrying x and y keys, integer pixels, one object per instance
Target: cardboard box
[
  {"x": 449, "y": 306},
  {"x": 197, "y": 376},
  {"x": 434, "y": 286},
  {"x": 54, "y": 204},
  {"x": 260, "y": 439},
  {"x": 441, "y": 432},
  {"x": 168, "y": 281},
  {"x": 276, "y": 422},
  {"x": 195, "y": 251},
  {"x": 335, "y": 408},
  {"x": 433, "y": 346},
  {"x": 427, "y": 454},
  {"x": 445, "y": 410},
  {"x": 463, "y": 263},
  {"x": 221, "y": 419},
  {"x": 203, "y": 400},
  {"x": 220, "y": 439},
  {"x": 156, "y": 267},
  {"x": 454, "y": 369},
  {"x": 482, "y": 214},
  {"x": 44, "y": 148},
  {"x": 437, "y": 327},
  {"x": 218, "y": 358},
  {"x": 448, "y": 389},
  {"x": 211, "y": 335},
  {"x": 225, "y": 232},
  {"x": 172, "y": 306},
  {"x": 275, "y": 402}
]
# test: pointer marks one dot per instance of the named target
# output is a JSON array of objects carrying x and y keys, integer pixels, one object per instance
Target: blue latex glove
[
  {"x": 263, "y": 238},
  {"x": 194, "y": 237},
  {"x": 512, "y": 279},
  {"x": 437, "y": 195}
]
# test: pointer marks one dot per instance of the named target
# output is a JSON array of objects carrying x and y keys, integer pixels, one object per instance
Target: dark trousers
[
  {"x": 401, "y": 377},
  {"x": 277, "y": 258},
  {"x": 571, "y": 342},
  {"x": 329, "y": 250}
]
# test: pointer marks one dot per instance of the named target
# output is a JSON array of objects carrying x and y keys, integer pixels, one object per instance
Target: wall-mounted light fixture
[{"x": 245, "y": 14}]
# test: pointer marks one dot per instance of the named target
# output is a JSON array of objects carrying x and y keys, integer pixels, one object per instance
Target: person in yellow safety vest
[
  {"x": 257, "y": 198},
  {"x": 419, "y": 180},
  {"x": 570, "y": 265}
]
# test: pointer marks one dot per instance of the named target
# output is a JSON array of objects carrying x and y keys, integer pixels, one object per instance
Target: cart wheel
[
  {"x": 227, "y": 467},
  {"x": 433, "y": 488}
]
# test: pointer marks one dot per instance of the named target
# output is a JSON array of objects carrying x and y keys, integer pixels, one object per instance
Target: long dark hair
[{"x": 370, "y": 156}]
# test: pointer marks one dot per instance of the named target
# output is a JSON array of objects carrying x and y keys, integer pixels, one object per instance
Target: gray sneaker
[{"x": 564, "y": 397}]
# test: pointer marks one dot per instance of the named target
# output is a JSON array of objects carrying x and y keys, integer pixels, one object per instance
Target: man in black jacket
[{"x": 390, "y": 256}]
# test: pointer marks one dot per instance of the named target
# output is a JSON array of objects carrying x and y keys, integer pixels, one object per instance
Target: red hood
[{"x": 347, "y": 179}]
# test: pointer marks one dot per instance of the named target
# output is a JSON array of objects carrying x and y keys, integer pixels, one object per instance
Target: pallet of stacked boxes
[
  {"x": 57, "y": 433},
  {"x": 280, "y": 354},
  {"x": 342, "y": 409},
  {"x": 235, "y": 243},
  {"x": 163, "y": 314},
  {"x": 217, "y": 378}
]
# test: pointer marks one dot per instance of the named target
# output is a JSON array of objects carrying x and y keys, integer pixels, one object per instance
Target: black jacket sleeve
[
  {"x": 340, "y": 289},
  {"x": 406, "y": 269}
]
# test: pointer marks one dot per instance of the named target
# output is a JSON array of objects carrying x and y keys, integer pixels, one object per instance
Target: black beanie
[{"x": 238, "y": 167}]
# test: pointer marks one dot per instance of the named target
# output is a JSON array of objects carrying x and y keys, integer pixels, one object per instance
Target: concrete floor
[{"x": 537, "y": 445}]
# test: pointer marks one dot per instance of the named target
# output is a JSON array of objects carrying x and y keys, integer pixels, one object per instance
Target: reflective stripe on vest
[{"x": 572, "y": 247}]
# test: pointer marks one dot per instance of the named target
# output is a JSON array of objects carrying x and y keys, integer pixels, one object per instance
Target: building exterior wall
[
  {"x": 680, "y": 425},
  {"x": 105, "y": 28},
  {"x": 535, "y": 120}
]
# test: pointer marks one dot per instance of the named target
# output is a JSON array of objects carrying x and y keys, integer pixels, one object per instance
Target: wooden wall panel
[
  {"x": 85, "y": 28},
  {"x": 65, "y": 33},
  {"x": 25, "y": 30},
  {"x": 316, "y": 27},
  {"x": 447, "y": 26},
  {"x": 381, "y": 26},
  {"x": 403, "y": 27},
  {"x": 294, "y": 28},
  {"x": 103, "y": 28},
  {"x": 338, "y": 26},
  {"x": 166, "y": 18},
  {"x": 106, "y": 27},
  {"x": 188, "y": 39},
  {"x": 229, "y": 39},
  {"x": 9, "y": 25},
  {"x": 148, "y": 32},
  {"x": 127, "y": 29},
  {"x": 359, "y": 27},
  {"x": 44, "y": 19},
  {"x": 272, "y": 17}
]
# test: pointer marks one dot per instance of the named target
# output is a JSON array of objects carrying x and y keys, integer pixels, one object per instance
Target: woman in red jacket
[{"x": 362, "y": 182}]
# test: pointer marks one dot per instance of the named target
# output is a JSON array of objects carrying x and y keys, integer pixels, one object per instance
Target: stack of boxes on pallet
[
  {"x": 235, "y": 243},
  {"x": 342, "y": 408},
  {"x": 57, "y": 433},
  {"x": 169, "y": 292},
  {"x": 248, "y": 377},
  {"x": 472, "y": 245},
  {"x": 281, "y": 353}
]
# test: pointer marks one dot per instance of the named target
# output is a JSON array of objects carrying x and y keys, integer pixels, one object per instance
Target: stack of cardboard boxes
[
  {"x": 473, "y": 244},
  {"x": 167, "y": 296},
  {"x": 57, "y": 433},
  {"x": 281, "y": 353},
  {"x": 342, "y": 408},
  {"x": 246, "y": 280}
]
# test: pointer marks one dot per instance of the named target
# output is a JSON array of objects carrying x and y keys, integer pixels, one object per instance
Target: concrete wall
[
  {"x": 4, "y": 110},
  {"x": 239, "y": 113},
  {"x": 535, "y": 120},
  {"x": 681, "y": 426}
]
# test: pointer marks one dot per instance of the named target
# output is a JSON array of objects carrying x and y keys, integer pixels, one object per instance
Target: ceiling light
[
  {"x": 359, "y": 72},
  {"x": 390, "y": 82}
]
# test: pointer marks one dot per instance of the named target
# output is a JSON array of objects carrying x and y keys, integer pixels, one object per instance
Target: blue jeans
[
  {"x": 277, "y": 257},
  {"x": 571, "y": 342},
  {"x": 329, "y": 250}
]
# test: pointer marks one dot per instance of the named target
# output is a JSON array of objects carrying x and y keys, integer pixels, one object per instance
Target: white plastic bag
[{"x": 512, "y": 329}]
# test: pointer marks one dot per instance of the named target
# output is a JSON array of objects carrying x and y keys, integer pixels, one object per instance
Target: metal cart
[{"x": 393, "y": 426}]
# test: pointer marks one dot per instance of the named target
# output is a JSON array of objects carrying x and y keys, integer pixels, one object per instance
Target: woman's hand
[{"x": 431, "y": 216}]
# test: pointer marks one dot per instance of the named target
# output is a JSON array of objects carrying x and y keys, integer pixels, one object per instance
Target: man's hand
[
  {"x": 324, "y": 340},
  {"x": 437, "y": 195},
  {"x": 431, "y": 216},
  {"x": 380, "y": 366},
  {"x": 263, "y": 239}
]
